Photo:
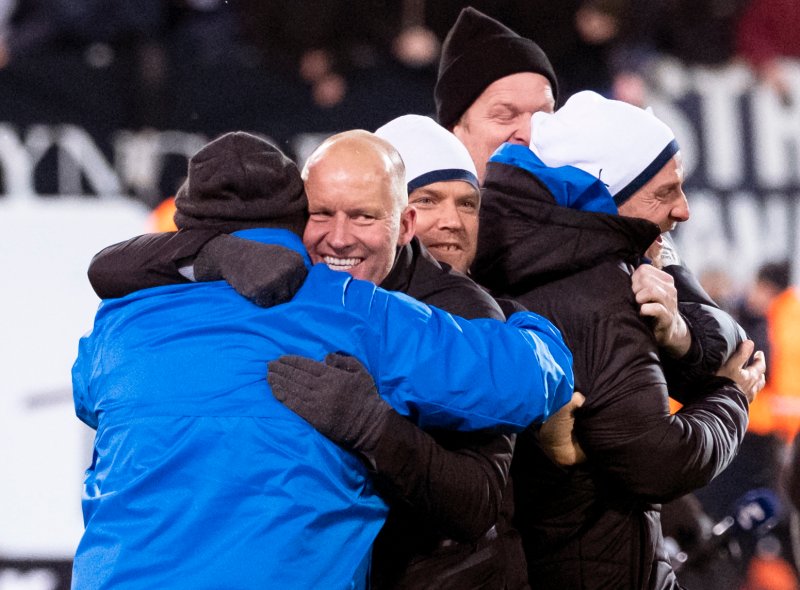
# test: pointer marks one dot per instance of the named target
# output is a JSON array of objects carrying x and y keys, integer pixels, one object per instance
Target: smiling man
[
  {"x": 359, "y": 222},
  {"x": 442, "y": 187},
  {"x": 357, "y": 205},
  {"x": 662, "y": 201},
  {"x": 194, "y": 457}
]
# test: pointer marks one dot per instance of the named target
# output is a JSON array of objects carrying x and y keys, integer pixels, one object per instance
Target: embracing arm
[
  {"x": 150, "y": 260},
  {"x": 265, "y": 274},
  {"x": 460, "y": 488},
  {"x": 506, "y": 375},
  {"x": 715, "y": 335},
  {"x": 625, "y": 426},
  {"x": 697, "y": 337},
  {"x": 441, "y": 370}
]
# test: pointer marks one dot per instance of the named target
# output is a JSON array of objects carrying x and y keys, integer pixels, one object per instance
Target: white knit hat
[
  {"x": 430, "y": 152},
  {"x": 622, "y": 145}
]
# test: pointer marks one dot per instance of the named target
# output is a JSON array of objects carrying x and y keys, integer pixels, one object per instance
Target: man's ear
[{"x": 408, "y": 225}]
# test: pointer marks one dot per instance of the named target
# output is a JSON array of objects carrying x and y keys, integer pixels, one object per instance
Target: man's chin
[{"x": 453, "y": 257}]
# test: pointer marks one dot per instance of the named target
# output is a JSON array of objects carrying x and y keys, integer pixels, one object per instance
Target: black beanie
[
  {"x": 241, "y": 181},
  {"x": 477, "y": 51}
]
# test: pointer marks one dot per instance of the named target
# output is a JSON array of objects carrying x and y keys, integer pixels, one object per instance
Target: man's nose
[
  {"x": 340, "y": 236},
  {"x": 522, "y": 131},
  {"x": 680, "y": 212},
  {"x": 449, "y": 217}
]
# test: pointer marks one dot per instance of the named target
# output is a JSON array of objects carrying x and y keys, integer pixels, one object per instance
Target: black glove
[
  {"x": 338, "y": 397},
  {"x": 265, "y": 274}
]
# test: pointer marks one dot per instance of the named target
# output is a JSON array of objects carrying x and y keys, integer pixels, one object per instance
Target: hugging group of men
[{"x": 439, "y": 356}]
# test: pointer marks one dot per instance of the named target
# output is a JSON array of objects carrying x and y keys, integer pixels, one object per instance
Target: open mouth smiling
[
  {"x": 445, "y": 247},
  {"x": 345, "y": 264}
]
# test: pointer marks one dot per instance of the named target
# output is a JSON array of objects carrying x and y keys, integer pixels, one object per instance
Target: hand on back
[{"x": 557, "y": 435}]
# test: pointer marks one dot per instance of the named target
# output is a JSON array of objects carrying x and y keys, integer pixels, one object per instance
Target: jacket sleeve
[
  {"x": 454, "y": 481},
  {"x": 81, "y": 377},
  {"x": 625, "y": 426},
  {"x": 446, "y": 372},
  {"x": 150, "y": 260},
  {"x": 459, "y": 487},
  {"x": 715, "y": 337}
]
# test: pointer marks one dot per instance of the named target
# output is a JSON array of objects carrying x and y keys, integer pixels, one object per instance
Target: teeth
[
  {"x": 341, "y": 263},
  {"x": 446, "y": 247}
]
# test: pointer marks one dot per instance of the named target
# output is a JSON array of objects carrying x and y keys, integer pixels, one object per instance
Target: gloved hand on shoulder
[{"x": 265, "y": 274}]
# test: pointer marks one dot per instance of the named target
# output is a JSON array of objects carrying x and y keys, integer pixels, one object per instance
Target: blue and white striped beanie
[
  {"x": 622, "y": 145},
  {"x": 429, "y": 151}
]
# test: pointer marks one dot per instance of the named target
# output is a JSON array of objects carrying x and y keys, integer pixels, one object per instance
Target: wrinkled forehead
[
  {"x": 672, "y": 172},
  {"x": 524, "y": 92},
  {"x": 666, "y": 184}
]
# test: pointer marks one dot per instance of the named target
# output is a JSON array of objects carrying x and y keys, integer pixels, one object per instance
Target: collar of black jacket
[
  {"x": 399, "y": 277},
  {"x": 525, "y": 239},
  {"x": 419, "y": 275},
  {"x": 414, "y": 267}
]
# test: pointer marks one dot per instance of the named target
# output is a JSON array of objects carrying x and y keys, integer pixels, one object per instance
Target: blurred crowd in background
[
  {"x": 215, "y": 65},
  {"x": 710, "y": 521},
  {"x": 328, "y": 46}
]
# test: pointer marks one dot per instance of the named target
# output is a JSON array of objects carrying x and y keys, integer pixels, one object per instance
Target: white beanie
[
  {"x": 429, "y": 151},
  {"x": 620, "y": 144}
]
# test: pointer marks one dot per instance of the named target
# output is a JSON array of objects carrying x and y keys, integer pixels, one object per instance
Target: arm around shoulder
[
  {"x": 459, "y": 488},
  {"x": 149, "y": 260},
  {"x": 625, "y": 426}
]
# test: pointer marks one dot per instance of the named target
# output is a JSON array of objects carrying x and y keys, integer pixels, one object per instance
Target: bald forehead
[{"x": 362, "y": 154}]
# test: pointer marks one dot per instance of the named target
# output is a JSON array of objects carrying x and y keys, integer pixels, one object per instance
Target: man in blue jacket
[{"x": 200, "y": 478}]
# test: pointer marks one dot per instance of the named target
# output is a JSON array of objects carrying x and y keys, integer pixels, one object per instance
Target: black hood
[{"x": 526, "y": 239}]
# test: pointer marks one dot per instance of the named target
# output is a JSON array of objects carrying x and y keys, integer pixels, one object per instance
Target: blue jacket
[{"x": 201, "y": 479}]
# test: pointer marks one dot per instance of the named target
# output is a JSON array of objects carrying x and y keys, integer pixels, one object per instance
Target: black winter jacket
[{"x": 597, "y": 525}]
